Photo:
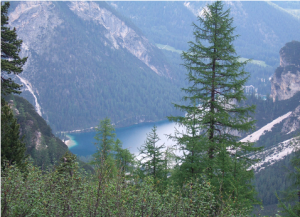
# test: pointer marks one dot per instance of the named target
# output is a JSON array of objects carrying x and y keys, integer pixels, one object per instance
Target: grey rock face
[
  {"x": 286, "y": 80},
  {"x": 35, "y": 23},
  {"x": 292, "y": 123},
  {"x": 285, "y": 86},
  {"x": 117, "y": 32}
]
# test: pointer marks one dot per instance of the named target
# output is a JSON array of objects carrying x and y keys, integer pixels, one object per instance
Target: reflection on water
[{"x": 132, "y": 137}]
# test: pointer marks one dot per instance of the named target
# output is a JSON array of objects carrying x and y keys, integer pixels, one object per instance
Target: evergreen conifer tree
[
  {"x": 12, "y": 147},
  {"x": 123, "y": 157},
  {"x": 213, "y": 114},
  {"x": 10, "y": 60},
  {"x": 67, "y": 164},
  {"x": 152, "y": 159},
  {"x": 105, "y": 141}
]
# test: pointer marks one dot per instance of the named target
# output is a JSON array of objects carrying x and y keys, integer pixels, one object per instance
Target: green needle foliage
[
  {"x": 67, "y": 164},
  {"x": 110, "y": 155},
  {"x": 10, "y": 60},
  {"x": 12, "y": 147},
  {"x": 213, "y": 116},
  {"x": 152, "y": 159},
  {"x": 105, "y": 141},
  {"x": 124, "y": 159}
]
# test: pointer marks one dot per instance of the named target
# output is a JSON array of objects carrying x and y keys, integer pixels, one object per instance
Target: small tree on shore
[
  {"x": 105, "y": 141},
  {"x": 124, "y": 159},
  {"x": 152, "y": 159}
]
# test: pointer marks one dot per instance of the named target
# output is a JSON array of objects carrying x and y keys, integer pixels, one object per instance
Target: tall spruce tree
[
  {"x": 213, "y": 115},
  {"x": 10, "y": 60},
  {"x": 152, "y": 159}
]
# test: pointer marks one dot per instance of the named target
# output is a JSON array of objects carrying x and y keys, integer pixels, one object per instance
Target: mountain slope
[
  {"x": 278, "y": 129},
  {"x": 262, "y": 28},
  {"x": 44, "y": 148},
  {"x": 88, "y": 62}
]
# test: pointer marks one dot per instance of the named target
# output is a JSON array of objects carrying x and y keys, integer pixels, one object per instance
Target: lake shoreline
[
  {"x": 92, "y": 129},
  {"x": 70, "y": 142},
  {"x": 132, "y": 137}
]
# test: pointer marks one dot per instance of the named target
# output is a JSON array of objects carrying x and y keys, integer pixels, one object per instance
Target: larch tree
[
  {"x": 110, "y": 155},
  {"x": 124, "y": 159},
  {"x": 152, "y": 159},
  {"x": 213, "y": 114},
  {"x": 105, "y": 141}
]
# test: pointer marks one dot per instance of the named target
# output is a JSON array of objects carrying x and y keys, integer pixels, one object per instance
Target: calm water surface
[{"x": 132, "y": 137}]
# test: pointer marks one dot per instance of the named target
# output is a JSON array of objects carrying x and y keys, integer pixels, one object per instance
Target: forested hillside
[
  {"x": 90, "y": 68},
  {"x": 44, "y": 149}
]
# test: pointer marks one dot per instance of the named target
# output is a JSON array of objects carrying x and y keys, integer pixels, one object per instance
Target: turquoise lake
[{"x": 132, "y": 137}]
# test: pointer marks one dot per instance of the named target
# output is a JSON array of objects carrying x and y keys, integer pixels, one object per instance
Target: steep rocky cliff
[
  {"x": 292, "y": 123},
  {"x": 286, "y": 80}
]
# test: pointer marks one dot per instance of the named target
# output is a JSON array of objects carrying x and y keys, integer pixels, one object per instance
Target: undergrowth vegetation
[{"x": 67, "y": 191}]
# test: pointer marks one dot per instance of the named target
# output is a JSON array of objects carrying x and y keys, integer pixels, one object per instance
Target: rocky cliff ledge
[{"x": 286, "y": 79}]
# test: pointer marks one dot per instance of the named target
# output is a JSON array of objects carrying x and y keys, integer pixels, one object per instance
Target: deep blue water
[{"x": 132, "y": 137}]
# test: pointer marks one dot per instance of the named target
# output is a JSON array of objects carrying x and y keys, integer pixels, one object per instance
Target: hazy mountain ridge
[
  {"x": 291, "y": 7},
  {"x": 261, "y": 27}
]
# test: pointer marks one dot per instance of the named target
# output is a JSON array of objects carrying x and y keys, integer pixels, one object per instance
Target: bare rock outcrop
[
  {"x": 292, "y": 123},
  {"x": 286, "y": 79},
  {"x": 118, "y": 33}
]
